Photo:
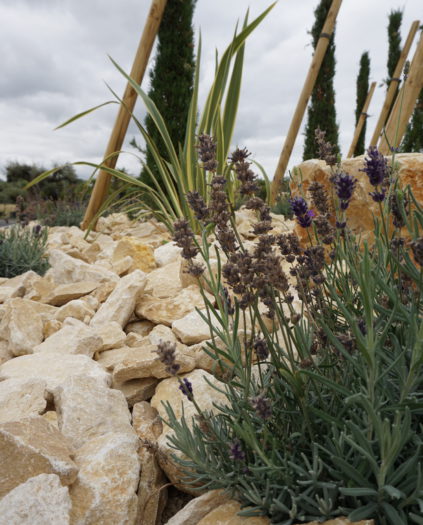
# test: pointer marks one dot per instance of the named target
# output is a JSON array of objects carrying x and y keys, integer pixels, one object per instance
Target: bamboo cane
[
  {"x": 313, "y": 71},
  {"x": 390, "y": 94},
  {"x": 361, "y": 120},
  {"x": 124, "y": 114},
  {"x": 404, "y": 103}
]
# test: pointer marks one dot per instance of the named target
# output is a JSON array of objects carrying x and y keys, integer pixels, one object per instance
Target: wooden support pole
[
  {"x": 390, "y": 94},
  {"x": 404, "y": 103},
  {"x": 361, "y": 120},
  {"x": 129, "y": 98},
  {"x": 313, "y": 71}
]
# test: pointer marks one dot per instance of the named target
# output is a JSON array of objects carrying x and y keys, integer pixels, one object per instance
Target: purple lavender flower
[
  {"x": 344, "y": 188},
  {"x": 299, "y": 206},
  {"x": 262, "y": 406},
  {"x": 185, "y": 387},
  {"x": 377, "y": 196},
  {"x": 236, "y": 451},
  {"x": 300, "y": 209},
  {"x": 376, "y": 166}
]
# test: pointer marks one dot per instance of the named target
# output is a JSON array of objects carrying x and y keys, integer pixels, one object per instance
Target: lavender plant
[{"x": 324, "y": 389}]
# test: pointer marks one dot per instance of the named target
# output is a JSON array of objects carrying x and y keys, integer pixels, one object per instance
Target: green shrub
[
  {"x": 23, "y": 249},
  {"x": 325, "y": 400}
]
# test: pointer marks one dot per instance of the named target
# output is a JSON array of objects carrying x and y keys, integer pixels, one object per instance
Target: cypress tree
[
  {"x": 362, "y": 90},
  {"x": 321, "y": 111},
  {"x": 172, "y": 76},
  {"x": 413, "y": 138},
  {"x": 394, "y": 47}
]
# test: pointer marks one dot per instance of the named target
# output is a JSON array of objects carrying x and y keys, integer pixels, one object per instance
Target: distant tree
[
  {"x": 413, "y": 138},
  {"x": 321, "y": 111},
  {"x": 362, "y": 90},
  {"x": 17, "y": 171},
  {"x": 394, "y": 42},
  {"x": 172, "y": 76}
]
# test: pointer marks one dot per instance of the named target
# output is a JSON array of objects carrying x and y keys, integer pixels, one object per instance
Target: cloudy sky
[{"x": 55, "y": 64}]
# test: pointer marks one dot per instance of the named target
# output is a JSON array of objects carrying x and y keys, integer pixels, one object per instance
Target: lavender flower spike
[
  {"x": 186, "y": 388},
  {"x": 376, "y": 166},
  {"x": 344, "y": 188}
]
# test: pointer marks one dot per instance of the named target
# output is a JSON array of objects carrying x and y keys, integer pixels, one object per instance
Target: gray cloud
[{"x": 55, "y": 64}]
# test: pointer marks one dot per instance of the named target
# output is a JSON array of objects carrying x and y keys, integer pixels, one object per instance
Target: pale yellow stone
[
  {"x": 50, "y": 327},
  {"x": 227, "y": 514},
  {"x": 5, "y": 353},
  {"x": 160, "y": 333},
  {"x": 105, "y": 489},
  {"x": 20, "y": 398},
  {"x": 86, "y": 410},
  {"x": 18, "y": 286},
  {"x": 146, "y": 422},
  {"x": 146, "y": 364},
  {"x": 70, "y": 339},
  {"x": 141, "y": 328},
  {"x": 53, "y": 368},
  {"x": 103, "y": 291},
  {"x": 141, "y": 253},
  {"x": 64, "y": 293},
  {"x": 66, "y": 270},
  {"x": 167, "y": 253},
  {"x": 78, "y": 309},
  {"x": 120, "y": 304},
  {"x": 29, "y": 447},
  {"x": 166, "y": 311},
  {"x": 136, "y": 390},
  {"x": 112, "y": 335},
  {"x": 164, "y": 282},
  {"x": 110, "y": 358},
  {"x": 51, "y": 417},
  {"x": 191, "y": 328},
  {"x": 198, "y": 507},
  {"x": 133, "y": 340},
  {"x": 22, "y": 324},
  {"x": 41, "y": 500}
]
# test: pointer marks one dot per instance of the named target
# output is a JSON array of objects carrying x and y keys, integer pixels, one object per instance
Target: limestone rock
[
  {"x": 110, "y": 358},
  {"x": 103, "y": 291},
  {"x": 20, "y": 398},
  {"x": 50, "y": 327},
  {"x": 67, "y": 270},
  {"x": 142, "y": 328},
  {"x": 164, "y": 282},
  {"x": 226, "y": 514},
  {"x": 121, "y": 302},
  {"x": 86, "y": 410},
  {"x": 168, "y": 391},
  {"x": 146, "y": 364},
  {"x": 136, "y": 390},
  {"x": 114, "y": 222},
  {"x": 18, "y": 286},
  {"x": 5, "y": 353},
  {"x": 141, "y": 253},
  {"x": 64, "y": 293},
  {"x": 53, "y": 368},
  {"x": 362, "y": 207},
  {"x": 71, "y": 340},
  {"x": 105, "y": 490},
  {"x": 159, "y": 333},
  {"x": 166, "y": 311},
  {"x": 167, "y": 253},
  {"x": 41, "y": 500},
  {"x": 146, "y": 422},
  {"x": 133, "y": 340},
  {"x": 198, "y": 507},
  {"x": 78, "y": 309},
  {"x": 192, "y": 328},
  {"x": 112, "y": 335},
  {"x": 29, "y": 447},
  {"x": 22, "y": 325},
  {"x": 51, "y": 417}
]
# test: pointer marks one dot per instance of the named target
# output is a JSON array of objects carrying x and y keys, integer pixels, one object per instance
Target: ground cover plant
[
  {"x": 324, "y": 401},
  {"x": 23, "y": 249}
]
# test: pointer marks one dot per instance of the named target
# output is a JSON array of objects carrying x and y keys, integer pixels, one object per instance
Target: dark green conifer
[
  {"x": 413, "y": 138},
  {"x": 172, "y": 76},
  {"x": 362, "y": 90},
  {"x": 394, "y": 47},
  {"x": 321, "y": 111}
]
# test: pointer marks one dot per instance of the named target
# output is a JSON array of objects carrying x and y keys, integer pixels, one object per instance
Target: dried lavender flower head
[
  {"x": 417, "y": 248},
  {"x": 235, "y": 451},
  {"x": 325, "y": 148},
  {"x": 184, "y": 238},
  {"x": 207, "y": 152},
  {"x": 166, "y": 355},
  {"x": 262, "y": 406}
]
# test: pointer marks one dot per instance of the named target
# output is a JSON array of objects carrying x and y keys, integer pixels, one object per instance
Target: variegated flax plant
[{"x": 318, "y": 345}]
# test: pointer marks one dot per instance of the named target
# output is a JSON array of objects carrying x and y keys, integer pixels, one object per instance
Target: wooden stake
[
  {"x": 404, "y": 103},
  {"x": 313, "y": 71},
  {"x": 120, "y": 127},
  {"x": 390, "y": 94},
  {"x": 361, "y": 120}
]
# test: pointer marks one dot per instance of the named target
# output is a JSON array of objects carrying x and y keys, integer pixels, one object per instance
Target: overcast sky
[{"x": 55, "y": 64}]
